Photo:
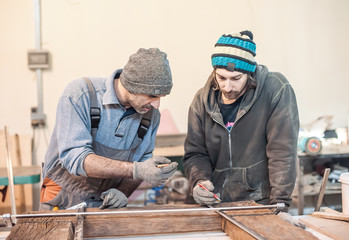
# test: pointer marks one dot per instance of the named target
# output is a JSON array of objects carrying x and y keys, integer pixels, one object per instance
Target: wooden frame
[{"x": 262, "y": 221}]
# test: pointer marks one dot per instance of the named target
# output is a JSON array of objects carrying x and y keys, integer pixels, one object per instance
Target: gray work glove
[
  {"x": 113, "y": 198},
  {"x": 288, "y": 217},
  {"x": 148, "y": 170},
  {"x": 201, "y": 196}
]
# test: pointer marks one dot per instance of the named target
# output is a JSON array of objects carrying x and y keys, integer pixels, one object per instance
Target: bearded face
[{"x": 231, "y": 84}]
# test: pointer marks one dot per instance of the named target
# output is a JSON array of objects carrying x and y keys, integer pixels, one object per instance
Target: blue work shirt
[{"x": 71, "y": 139}]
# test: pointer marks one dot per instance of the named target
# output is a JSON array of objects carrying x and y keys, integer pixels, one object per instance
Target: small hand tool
[
  {"x": 83, "y": 204},
  {"x": 162, "y": 165},
  {"x": 215, "y": 196}
]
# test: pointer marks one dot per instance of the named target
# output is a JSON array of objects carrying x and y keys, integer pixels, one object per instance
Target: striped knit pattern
[{"x": 235, "y": 48}]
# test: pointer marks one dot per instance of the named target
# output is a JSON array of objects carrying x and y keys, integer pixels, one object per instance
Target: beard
[
  {"x": 143, "y": 109},
  {"x": 132, "y": 101},
  {"x": 232, "y": 94}
]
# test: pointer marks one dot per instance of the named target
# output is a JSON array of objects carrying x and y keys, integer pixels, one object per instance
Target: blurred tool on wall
[
  {"x": 316, "y": 136},
  {"x": 310, "y": 145}
]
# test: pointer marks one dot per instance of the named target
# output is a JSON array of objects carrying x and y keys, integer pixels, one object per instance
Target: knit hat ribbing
[
  {"x": 147, "y": 72},
  {"x": 235, "y": 52}
]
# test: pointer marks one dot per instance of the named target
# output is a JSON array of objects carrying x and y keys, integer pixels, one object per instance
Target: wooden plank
[
  {"x": 127, "y": 224},
  {"x": 25, "y": 145},
  {"x": 266, "y": 224},
  {"x": 334, "y": 216},
  {"x": 9, "y": 166},
  {"x": 329, "y": 210},
  {"x": 331, "y": 228},
  {"x": 261, "y": 221},
  {"x": 17, "y": 156},
  {"x": 61, "y": 228},
  {"x": 235, "y": 232},
  {"x": 151, "y": 223},
  {"x": 79, "y": 227}
]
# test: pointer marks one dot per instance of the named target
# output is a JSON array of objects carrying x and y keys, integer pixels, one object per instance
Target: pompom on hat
[
  {"x": 235, "y": 52},
  {"x": 147, "y": 72}
]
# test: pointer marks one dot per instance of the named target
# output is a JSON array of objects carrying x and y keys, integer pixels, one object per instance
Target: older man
[{"x": 101, "y": 147}]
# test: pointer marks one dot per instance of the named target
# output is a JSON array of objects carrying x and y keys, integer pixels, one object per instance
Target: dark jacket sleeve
[
  {"x": 282, "y": 137},
  {"x": 196, "y": 161}
]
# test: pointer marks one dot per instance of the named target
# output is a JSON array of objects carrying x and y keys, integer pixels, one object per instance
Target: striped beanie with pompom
[{"x": 235, "y": 52}]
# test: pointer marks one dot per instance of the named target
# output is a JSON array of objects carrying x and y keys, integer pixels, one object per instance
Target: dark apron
[{"x": 77, "y": 189}]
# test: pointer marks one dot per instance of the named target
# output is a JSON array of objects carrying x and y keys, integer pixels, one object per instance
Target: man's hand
[
  {"x": 201, "y": 196},
  {"x": 148, "y": 170},
  {"x": 113, "y": 198}
]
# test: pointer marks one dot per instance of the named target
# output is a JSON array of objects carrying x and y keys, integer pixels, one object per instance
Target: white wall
[{"x": 307, "y": 40}]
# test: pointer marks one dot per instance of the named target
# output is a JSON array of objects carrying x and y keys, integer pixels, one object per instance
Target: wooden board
[
  {"x": 61, "y": 228},
  {"x": 331, "y": 228},
  {"x": 151, "y": 223},
  {"x": 333, "y": 216},
  {"x": 265, "y": 223}
]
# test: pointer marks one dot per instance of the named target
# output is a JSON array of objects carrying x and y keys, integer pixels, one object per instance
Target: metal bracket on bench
[{"x": 7, "y": 219}]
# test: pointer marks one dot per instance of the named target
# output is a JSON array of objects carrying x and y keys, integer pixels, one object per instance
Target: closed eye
[{"x": 237, "y": 77}]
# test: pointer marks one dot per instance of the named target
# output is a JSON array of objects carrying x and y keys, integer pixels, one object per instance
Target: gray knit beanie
[{"x": 147, "y": 72}]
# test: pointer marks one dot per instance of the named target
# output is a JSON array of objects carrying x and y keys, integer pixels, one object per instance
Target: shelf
[
  {"x": 21, "y": 175},
  {"x": 327, "y": 192}
]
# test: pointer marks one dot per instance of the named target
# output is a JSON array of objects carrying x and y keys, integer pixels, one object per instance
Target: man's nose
[
  {"x": 228, "y": 86},
  {"x": 155, "y": 104}
]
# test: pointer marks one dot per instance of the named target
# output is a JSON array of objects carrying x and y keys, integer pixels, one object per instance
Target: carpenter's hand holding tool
[
  {"x": 204, "y": 196},
  {"x": 150, "y": 172},
  {"x": 113, "y": 198}
]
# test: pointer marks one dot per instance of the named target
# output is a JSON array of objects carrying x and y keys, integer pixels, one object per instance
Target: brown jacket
[{"x": 256, "y": 160}]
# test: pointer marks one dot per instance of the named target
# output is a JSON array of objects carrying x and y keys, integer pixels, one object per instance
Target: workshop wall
[{"x": 305, "y": 40}]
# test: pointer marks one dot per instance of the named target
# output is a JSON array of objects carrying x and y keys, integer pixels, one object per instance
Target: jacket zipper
[
  {"x": 230, "y": 150},
  {"x": 231, "y": 165},
  {"x": 230, "y": 155}
]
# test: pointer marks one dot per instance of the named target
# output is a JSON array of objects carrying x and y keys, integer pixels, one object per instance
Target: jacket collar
[{"x": 109, "y": 96}]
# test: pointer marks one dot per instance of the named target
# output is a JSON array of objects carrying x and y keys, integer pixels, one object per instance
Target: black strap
[
  {"x": 95, "y": 111},
  {"x": 144, "y": 125}
]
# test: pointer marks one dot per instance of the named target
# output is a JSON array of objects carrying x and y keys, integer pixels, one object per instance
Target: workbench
[
  {"x": 332, "y": 153},
  {"x": 237, "y": 220}
]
